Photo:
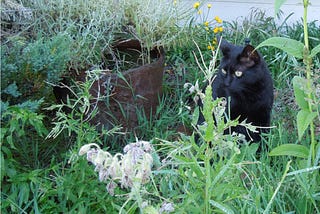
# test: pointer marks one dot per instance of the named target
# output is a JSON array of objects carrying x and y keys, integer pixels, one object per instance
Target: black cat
[{"x": 244, "y": 77}]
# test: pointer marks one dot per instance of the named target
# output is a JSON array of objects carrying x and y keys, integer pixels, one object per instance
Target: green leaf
[
  {"x": 291, "y": 46},
  {"x": 224, "y": 208},
  {"x": 195, "y": 115},
  {"x": 315, "y": 51},
  {"x": 12, "y": 90},
  {"x": 32, "y": 105},
  {"x": 300, "y": 83},
  {"x": 207, "y": 113},
  {"x": 290, "y": 150},
  {"x": 277, "y": 5},
  {"x": 304, "y": 118}
]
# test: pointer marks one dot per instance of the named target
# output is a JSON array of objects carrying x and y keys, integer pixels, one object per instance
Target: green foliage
[
  {"x": 76, "y": 115},
  {"x": 45, "y": 175},
  {"x": 17, "y": 121},
  {"x": 19, "y": 126},
  {"x": 277, "y": 5},
  {"x": 27, "y": 68},
  {"x": 73, "y": 188},
  {"x": 95, "y": 25},
  {"x": 314, "y": 51},
  {"x": 153, "y": 23},
  {"x": 302, "y": 86},
  {"x": 304, "y": 117},
  {"x": 21, "y": 192},
  {"x": 24, "y": 150},
  {"x": 90, "y": 24},
  {"x": 12, "y": 90},
  {"x": 306, "y": 100},
  {"x": 202, "y": 167},
  {"x": 291, "y": 46},
  {"x": 291, "y": 150}
]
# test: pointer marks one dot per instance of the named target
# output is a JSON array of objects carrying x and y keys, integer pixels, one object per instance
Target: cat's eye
[
  {"x": 223, "y": 71},
  {"x": 238, "y": 73}
]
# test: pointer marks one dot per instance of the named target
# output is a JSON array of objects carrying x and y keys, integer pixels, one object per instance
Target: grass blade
[
  {"x": 222, "y": 207},
  {"x": 277, "y": 189}
]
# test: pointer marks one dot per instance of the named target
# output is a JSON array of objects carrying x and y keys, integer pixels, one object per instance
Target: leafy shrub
[
  {"x": 28, "y": 69},
  {"x": 153, "y": 23},
  {"x": 21, "y": 129},
  {"x": 88, "y": 23},
  {"x": 72, "y": 188}
]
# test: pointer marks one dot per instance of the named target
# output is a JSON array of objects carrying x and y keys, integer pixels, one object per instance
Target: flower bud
[{"x": 84, "y": 149}]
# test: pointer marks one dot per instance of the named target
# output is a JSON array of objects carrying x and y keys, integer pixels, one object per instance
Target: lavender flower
[
  {"x": 166, "y": 208},
  {"x": 132, "y": 167}
]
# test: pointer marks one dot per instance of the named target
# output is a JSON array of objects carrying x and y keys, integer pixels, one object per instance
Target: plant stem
[
  {"x": 308, "y": 62},
  {"x": 305, "y": 24},
  {"x": 208, "y": 179}
]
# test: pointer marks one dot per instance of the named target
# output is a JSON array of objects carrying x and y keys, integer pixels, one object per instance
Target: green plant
[
  {"x": 27, "y": 68},
  {"x": 154, "y": 24},
  {"x": 201, "y": 168},
  {"x": 46, "y": 175},
  {"x": 88, "y": 23},
  {"x": 76, "y": 114},
  {"x": 307, "y": 100},
  {"x": 16, "y": 126},
  {"x": 21, "y": 131},
  {"x": 71, "y": 186},
  {"x": 95, "y": 26},
  {"x": 203, "y": 165},
  {"x": 208, "y": 27},
  {"x": 131, "y": 170},
  {"x": 303, "y": 87}
]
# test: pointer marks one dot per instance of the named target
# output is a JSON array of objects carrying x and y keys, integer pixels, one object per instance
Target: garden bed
[{"x": 42, "y": 141}]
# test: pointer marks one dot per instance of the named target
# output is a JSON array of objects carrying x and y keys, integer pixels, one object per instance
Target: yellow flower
[
  {"x": 209, "y": 6},
  {"x": 199, "y": 12},
  {"x": 210, "y": 47},
  {"x": 216, "y": 30},
  {"x": 220, "y": 29},
  {"x": 174, "y": 2},
  {"x": 207, "y": 29},
  {"x": 217, "y": 18},
  {"x": 196, "y": 5},
  {"x": 214, "y": 42},
  {"x": 206, "y": 23}
]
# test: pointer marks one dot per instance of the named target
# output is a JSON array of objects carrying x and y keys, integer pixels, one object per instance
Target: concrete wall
[{"x": 231, "y": 10}]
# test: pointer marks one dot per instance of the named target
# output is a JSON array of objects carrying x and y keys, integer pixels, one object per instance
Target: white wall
[{"x": 231, "y": 10}]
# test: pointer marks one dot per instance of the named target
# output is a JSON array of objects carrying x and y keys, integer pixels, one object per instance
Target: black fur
[{"x": 251, "y": 94}]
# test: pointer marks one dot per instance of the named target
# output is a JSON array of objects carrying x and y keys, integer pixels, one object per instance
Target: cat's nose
[{"x": 227, "y": 82}]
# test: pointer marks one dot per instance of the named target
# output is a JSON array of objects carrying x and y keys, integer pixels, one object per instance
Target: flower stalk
[{"x": 308, "y": 63}]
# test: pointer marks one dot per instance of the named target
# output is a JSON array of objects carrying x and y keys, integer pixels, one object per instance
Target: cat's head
[{"x": 239, "y": 65}]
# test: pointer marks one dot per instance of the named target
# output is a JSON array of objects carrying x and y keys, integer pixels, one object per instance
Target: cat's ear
[
  {"x": 225, "y": 46},
  {"x": 249, "y": 56}
]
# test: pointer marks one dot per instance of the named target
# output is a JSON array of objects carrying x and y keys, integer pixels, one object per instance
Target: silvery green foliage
[{"x": 14, "y": 11}]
